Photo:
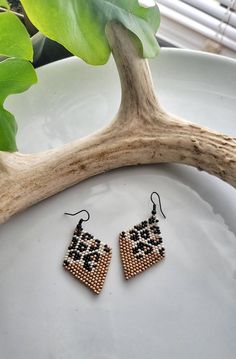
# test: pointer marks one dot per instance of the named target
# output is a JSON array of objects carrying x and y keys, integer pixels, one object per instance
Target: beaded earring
[
  {"x": 141, "y": 246},
  {"x": 87, "y": 258}
]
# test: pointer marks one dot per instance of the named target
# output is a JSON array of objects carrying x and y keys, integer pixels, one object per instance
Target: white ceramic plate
[{"x": 184, "y": 307}]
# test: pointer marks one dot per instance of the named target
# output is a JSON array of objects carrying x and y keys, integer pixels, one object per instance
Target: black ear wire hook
[
  {"x": 154, "y": 204},
  {"x": 81, "y": 220}
]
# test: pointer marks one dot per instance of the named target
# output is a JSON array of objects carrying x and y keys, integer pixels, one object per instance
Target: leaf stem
[{"x": 2, "y": 9}]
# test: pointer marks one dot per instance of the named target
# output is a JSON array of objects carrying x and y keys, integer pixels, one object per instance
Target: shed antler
[{"x": 141, "y": 133}]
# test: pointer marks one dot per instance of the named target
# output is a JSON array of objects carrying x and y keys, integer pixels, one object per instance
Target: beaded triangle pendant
[
  {"x": 88, "y": 259},
  {"x": 141, "y": 246}
]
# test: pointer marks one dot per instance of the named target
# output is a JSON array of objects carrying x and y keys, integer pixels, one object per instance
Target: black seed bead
[
  {"x": 66, "y": 263},
  {"x": 143, "y": 225},
  {"x": 156, "y": 230},
  {"x": 72, "y": 254},
  {"x": 151, "y": 220},
  {"x": 95, "y": 246},
  {"x": 91, "y": 256},
  {"x": 86, "y": 236},
  {"x": 153, "y": 242},
  {"x": 87, "y": 266},
  {"x": 135, "y": 250},
  {"x": 145, "y": 234},
  {"x": 82, "y": 247},
  {"x": 134, "y": 236},
  {"x": 141, "y": 245},
  {"x": 162, "y": 250},
  {"x": 148, "y": 250},
  {"x": 144, "y": 247},
  {"x": 106, "y": 248},
  {"x": 78, "y": 231},
  {"x": 77, "y": 256},
  {"x": 73, "y": 243}
]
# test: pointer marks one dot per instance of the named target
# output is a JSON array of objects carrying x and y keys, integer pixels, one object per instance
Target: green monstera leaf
[
  {"x": 16, "y": 75},
  {"x": 79, "y": 25},
  {"x": 14, "y": 39},
  {"x": 4, "y": 3}
]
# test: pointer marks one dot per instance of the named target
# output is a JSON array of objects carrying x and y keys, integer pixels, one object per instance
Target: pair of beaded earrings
[{"x": 88, "y": 258}]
